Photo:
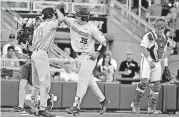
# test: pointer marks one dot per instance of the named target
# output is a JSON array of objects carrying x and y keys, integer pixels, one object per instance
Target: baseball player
[
  {"x": 26, "y": 79},
  {"x": 83, "y": 36},
  {"x": 42, "y": 41},
  {"x": 154, "y": 47}
]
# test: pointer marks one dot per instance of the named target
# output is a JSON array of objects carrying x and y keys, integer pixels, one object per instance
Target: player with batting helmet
[{"x": 83, "y": 36}]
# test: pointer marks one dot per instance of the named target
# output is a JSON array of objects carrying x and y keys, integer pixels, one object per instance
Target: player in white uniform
[
  {"x": 42, "y": 41},
  {"x": 154, "y": 47},
  {"x": 83, "y": 36}
]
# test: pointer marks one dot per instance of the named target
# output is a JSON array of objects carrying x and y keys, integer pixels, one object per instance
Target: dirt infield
[{"x": 8, "y": 112}]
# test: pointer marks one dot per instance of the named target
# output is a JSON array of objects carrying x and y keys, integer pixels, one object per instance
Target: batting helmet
[
  {"x": 84, "y": 13},
  {"x": 47, "y": 13}
]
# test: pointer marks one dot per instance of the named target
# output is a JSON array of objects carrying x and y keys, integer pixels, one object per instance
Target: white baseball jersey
[
  {"x": 83, "y": 36},
  {"x": 156, "y": 45},
  {"x": 44, "y": 35}
]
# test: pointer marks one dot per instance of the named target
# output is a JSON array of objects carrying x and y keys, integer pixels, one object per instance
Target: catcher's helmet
[
  {"x": 84, "y": 13},
  {"x": 160, "y": 24},
  {"x": 47, "y": 13}
]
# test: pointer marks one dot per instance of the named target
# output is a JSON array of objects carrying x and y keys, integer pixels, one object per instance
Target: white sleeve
[
  {"x": 54, "y": 24},
  {"x": 145, "y": 41},
  {"x": 69, "y": 21},
  {"x": 97, "y": 35}
]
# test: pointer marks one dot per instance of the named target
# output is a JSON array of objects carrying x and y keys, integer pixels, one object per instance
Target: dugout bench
[{"x": 120, "y": 95}]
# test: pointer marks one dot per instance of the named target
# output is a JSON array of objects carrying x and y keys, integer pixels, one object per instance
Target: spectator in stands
[
  {"x": 106, "y": 69},
  {"x": 128, "y": 68},
  {"x": 13, "y": 42},
  {"x": 67, "y": 51},
  {"x": 171, "y": 17},
  {"x": 56, "y": 76},
  {"x": 155, "y": 10},
  {"x": 10, "y": 64},
  {"x": 112, "y": 61}
]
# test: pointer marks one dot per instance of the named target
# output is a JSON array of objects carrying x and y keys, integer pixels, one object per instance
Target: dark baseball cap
[
  {"x": 12, "y": 36},
  {"x": 38, "y": 18}
]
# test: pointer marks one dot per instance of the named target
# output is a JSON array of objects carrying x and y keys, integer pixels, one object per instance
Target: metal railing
[
  {"x": 37, "y": 6},
  {"x": 56, "y": 64},
  {"x": 11, "y": 13},
  {"x": 128, "y": 18}
]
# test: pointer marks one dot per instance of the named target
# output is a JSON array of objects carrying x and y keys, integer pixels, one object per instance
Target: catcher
[{"x": 154, "y": 50}]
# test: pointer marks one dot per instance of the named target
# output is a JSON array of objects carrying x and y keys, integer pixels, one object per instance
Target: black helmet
[
  {"x": 84, "y": 13},
  {"x": 47, "y": 13}
]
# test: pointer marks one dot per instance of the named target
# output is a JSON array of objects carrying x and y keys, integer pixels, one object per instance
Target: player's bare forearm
[{"x": 61, "y": 17}]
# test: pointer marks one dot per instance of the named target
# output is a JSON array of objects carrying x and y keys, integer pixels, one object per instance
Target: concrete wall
[
  {"x": 120, "y": 95},
  {"x": 122, "y": 41}
]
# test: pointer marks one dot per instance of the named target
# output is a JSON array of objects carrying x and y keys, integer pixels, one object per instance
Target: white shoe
[
  {"x": 135, "y": 109},
  {"x": 157, "y": 112},
  {"x": 151, "y": 111}
]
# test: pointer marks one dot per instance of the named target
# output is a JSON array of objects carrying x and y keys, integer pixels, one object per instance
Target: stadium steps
[
  {"x": 131, "y": 23},
  {"x": 8, "y": 26}
]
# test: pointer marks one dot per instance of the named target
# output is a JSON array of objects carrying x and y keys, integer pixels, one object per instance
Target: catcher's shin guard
[
  {"x": 153, "y": 97},
  {"x": 139, "y": 92}
]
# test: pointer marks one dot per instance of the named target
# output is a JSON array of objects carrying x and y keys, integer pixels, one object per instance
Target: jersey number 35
[{"x": 83, "y": 40}]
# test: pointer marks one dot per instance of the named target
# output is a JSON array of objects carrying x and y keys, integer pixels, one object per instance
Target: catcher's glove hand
[{"x": 166, "y": 76}]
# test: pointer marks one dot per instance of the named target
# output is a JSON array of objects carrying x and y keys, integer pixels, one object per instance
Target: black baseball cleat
[
  {"x": 104, "y": 105},
  {"x": 73, "y": 110},
  {"x": 50, "y": 103},
  {"x": 45, "y": 114}
]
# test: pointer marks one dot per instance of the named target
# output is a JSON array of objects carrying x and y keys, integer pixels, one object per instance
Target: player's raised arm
[{"x": 60, "y": 10}]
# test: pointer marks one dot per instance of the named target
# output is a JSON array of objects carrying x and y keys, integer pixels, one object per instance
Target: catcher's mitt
[{"x": 166, "y": 76}]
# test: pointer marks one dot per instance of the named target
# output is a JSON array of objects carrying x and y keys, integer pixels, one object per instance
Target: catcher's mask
[
  {"x": 160, "y": 24},
  {"x": 84, "y": 13}
]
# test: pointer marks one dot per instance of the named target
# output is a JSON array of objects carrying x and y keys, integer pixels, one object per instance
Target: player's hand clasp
[{"x": 94, "y": 56}]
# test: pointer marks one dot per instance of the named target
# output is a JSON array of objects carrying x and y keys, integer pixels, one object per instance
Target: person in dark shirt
[{"x": 128, "y": 68}]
